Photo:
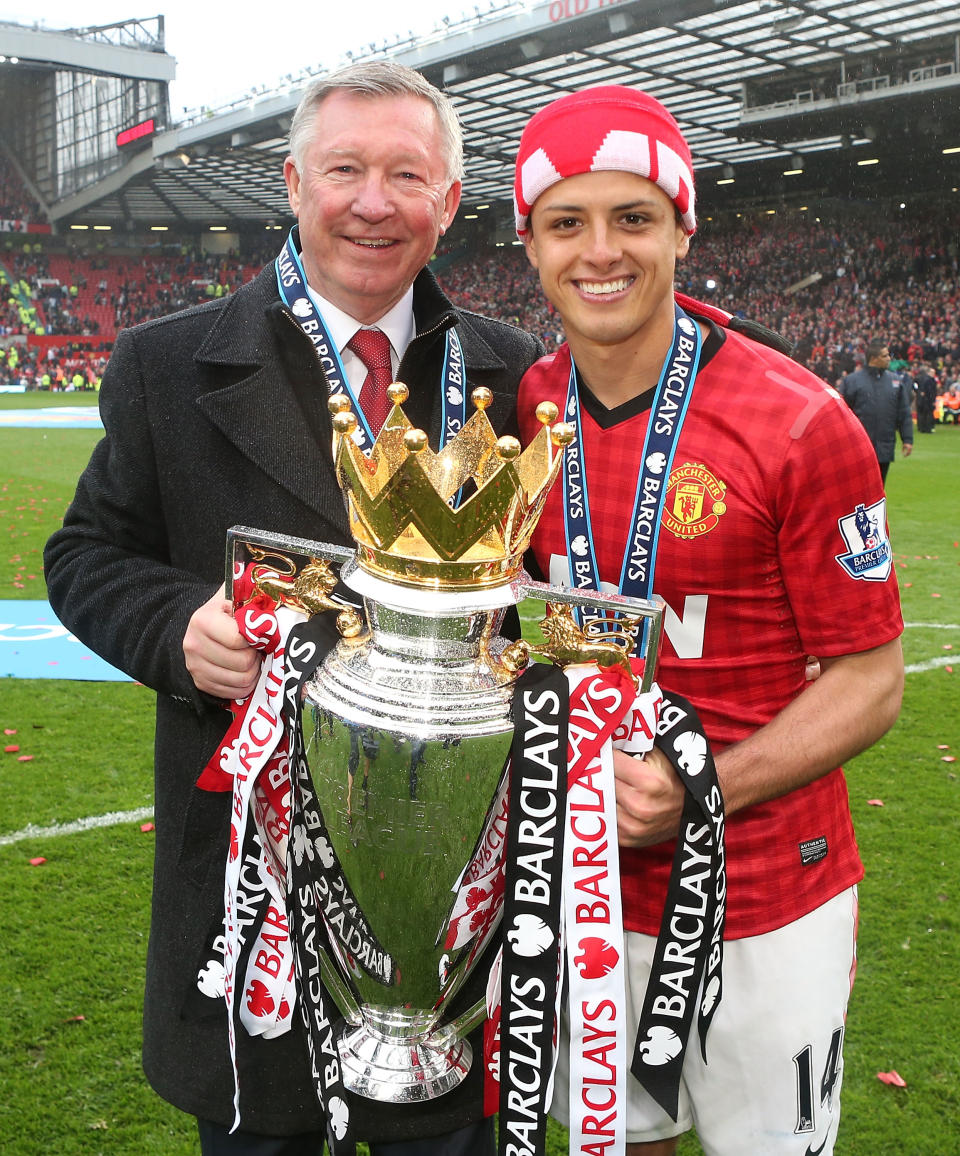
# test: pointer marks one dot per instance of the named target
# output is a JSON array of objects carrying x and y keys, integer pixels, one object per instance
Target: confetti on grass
[{"x": 892, "y": 1077}]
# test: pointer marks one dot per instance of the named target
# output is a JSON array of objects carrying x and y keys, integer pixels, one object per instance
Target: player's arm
[{"x": 853, "y": 703}]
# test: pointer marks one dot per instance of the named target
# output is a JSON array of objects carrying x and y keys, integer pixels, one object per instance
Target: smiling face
[
  {"x": 372, "y": 196},
  {"x": 606, "y": 245}
]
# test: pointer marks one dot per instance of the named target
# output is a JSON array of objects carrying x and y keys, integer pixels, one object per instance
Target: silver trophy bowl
[
  {"x": 407, "y": 731},
  {"x": 407, "y": 728}
]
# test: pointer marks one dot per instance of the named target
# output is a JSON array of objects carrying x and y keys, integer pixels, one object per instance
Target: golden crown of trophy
[
  {"x": 399, "y": 499},
  {"x": 406, "y": 723}
]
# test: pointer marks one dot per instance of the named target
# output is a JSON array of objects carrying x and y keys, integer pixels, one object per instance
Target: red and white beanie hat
[{"x": 607, "y": 128}]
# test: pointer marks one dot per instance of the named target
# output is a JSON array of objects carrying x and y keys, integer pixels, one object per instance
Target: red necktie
[{"x": 372, "y": 346}]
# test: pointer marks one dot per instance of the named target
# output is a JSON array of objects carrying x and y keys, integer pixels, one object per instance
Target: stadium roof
[{"x": 781, "y": 102}]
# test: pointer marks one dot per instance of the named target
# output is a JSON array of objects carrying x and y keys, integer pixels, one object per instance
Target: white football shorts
[{"x": 774, "y": 1067}]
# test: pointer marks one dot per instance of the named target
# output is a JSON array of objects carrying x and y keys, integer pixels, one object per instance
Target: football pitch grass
[{"x": 73, "y": 928}]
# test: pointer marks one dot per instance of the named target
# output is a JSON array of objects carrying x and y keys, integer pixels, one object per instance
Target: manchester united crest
[{"x": 694, "y": 502}]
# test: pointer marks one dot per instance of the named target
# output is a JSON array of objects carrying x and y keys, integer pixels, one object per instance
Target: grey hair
[{"x": 371, "y": 79}]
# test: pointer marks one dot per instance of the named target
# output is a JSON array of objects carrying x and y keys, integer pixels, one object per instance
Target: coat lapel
[
  {"x": 251, "y": 364},
  {"x": 265, "y": 391}
]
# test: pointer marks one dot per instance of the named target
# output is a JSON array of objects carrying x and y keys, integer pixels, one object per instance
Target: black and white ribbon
[{"x": 689, "y": 950}]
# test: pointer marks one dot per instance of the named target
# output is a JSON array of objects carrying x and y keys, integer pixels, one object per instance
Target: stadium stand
[
  {"x": 899, "y": 279},
  {"x": 827, "y": 279},
  {"x": 18, "y": 208}
]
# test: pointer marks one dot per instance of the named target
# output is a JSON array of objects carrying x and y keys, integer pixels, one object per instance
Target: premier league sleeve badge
[{"x": 868, "y": 554}]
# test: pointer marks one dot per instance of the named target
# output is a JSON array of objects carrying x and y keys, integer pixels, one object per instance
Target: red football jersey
[{"x": 756, "y": 576}]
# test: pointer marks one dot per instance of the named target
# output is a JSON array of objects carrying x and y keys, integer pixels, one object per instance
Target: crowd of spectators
[
  {"x": 898, "y": 280},
  {"x": 79, "y": 295},
  {"x": 66, "y": 365},
  {"x": 502, "y": 284},
  {"x": 46, "y": 293},
  {"x": 828, "y": 285}
]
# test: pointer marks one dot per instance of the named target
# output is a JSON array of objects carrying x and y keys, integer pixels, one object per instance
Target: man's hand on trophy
[
  {"x": 220, "y": 661},
  {"x": 649, "y": 799}
]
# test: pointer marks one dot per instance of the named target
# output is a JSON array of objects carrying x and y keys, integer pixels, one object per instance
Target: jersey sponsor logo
[
  {"x": 694, "y": 503},
  {"x": 868, "y": 557}
]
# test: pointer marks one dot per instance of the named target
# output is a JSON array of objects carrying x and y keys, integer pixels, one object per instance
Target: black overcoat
[
  {"x": 204, "y": 430},
  {"x": 882, "y": 403}
]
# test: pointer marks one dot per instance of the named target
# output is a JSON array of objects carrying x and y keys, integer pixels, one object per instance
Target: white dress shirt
[{"x": 397, "y": 323}]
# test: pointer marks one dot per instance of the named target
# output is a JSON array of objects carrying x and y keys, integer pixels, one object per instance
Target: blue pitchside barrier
[
  {"x": 35, "y": 644},
  {"x": 54, "y": 417}
]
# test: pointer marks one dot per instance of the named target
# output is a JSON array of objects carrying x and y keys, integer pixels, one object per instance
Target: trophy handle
[
  {"x": 648, "y": 610},
  {"x": 244, "y": 544},
  {"x": 472, "y": 1018}
]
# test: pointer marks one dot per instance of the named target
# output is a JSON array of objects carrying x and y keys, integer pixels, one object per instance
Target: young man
[
  {"x": 711, "y": 469},
  {"x": 216, "y": 417}
]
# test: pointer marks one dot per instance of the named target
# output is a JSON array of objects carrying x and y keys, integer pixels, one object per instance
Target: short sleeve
[{"x": 833, "y": 537}]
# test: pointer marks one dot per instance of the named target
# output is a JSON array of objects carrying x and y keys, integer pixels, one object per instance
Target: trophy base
[{"x": 402, "y": 1071}]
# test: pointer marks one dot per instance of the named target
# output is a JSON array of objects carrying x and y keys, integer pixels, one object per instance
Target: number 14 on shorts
[{"x": 803, "y": 1060}]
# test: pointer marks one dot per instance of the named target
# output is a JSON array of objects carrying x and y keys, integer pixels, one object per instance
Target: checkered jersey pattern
[{"x": 768, "y": 462}]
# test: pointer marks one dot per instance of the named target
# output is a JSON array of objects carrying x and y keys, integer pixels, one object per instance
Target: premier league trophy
[{"x": 406, "y": 726}]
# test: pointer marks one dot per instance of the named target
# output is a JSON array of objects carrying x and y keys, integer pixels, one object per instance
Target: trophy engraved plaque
[{"x": 406, "y": 725}]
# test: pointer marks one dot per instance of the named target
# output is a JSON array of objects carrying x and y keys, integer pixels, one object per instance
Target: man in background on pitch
[{"x": 883, "y": 402}]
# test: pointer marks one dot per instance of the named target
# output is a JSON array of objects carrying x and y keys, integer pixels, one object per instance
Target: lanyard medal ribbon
[
  {"x": 292, "y": 286},
  {"x": 278, "y": 850},
  {"x": 671, "y": 398},
  {"x": 689, "y": 946}
]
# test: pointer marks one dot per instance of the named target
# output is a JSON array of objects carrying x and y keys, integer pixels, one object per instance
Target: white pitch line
[
  {"x": 111, "y": 819},
  {"x": 115, "y": 818},
  {"x": 930, "y": 664}
]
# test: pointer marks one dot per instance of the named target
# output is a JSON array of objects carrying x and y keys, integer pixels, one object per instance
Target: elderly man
[{"x": 218, "y": 416}]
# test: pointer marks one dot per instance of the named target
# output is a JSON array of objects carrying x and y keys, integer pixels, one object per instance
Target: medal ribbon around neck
[
  {"x": 662, "y": 1035},
  {"x": 292, "y": 285},
  {"x": 667, "y": 414}
]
